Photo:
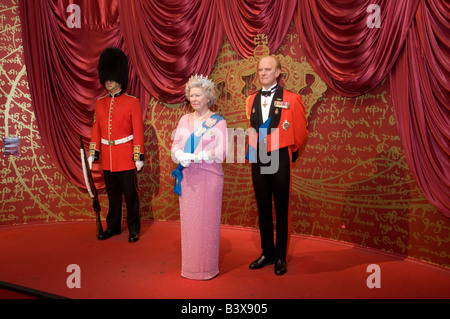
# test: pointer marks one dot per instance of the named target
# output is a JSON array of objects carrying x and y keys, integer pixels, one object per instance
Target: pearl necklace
[{"x": 201, "y": 118}]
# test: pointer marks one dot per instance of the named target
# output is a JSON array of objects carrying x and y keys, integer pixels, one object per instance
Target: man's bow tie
[{"x": 269, "y": 93}]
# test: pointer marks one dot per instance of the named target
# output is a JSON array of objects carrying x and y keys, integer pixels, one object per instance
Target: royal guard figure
[{"x": 118, "y": 138}]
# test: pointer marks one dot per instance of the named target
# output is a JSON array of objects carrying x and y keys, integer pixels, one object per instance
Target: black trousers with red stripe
[
  {"x": 118, "y": 185},
  {"x": 276, "y": 184}
]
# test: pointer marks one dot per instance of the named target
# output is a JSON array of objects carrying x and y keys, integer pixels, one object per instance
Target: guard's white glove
[
  {"x": 90, "y": 161},
  {"x": 139, "y": 165},
  {"x": 202, "y": 156}
]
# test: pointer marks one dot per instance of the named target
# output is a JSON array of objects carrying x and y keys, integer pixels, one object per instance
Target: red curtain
[
  {"x": 168, "y": 41},
  {"x": 421, "y": 96},
  {"x": 62, "y": 73},
  {"x": 244, "y": 20},
  {"x": 351, "y": 56}
]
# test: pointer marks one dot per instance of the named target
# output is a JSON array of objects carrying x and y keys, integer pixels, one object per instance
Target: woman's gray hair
[{"x": 208, "y": 87}]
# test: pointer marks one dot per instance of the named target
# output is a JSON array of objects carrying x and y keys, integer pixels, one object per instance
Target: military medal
[
  {"x": 286, "y": 125},
  {"x": 282, "y": 105}
]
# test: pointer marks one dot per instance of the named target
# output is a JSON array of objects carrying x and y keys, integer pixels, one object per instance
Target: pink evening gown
[{"x": 201, "y": 202}]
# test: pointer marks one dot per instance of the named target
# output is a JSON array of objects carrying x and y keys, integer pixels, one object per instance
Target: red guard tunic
[{"x": 117, "y": 118}]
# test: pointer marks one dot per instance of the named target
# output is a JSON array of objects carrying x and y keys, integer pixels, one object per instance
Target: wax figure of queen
[
  {"x": 200, "y": 147},
  {"x": 278, "y": 132},
  {"x": 118, "y": 135}
]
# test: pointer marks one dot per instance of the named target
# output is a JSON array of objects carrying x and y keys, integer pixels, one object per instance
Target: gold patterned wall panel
[{"x": 352, "y": 183}]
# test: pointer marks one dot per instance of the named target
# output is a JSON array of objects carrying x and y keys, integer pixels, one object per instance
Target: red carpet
[{"x": 37, "y": 257}]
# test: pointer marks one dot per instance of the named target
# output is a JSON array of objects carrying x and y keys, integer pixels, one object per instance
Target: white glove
[
  {"x": 139, "y": 165},
  {"x": 185, "y": 163},
  {"x": 202, "y": 156},
  {"x": 90, "y": 161},
  {"x": 187, "y": 157},
  {"x": 183, "y": 158},
  {"x": 178, "y": 155}
]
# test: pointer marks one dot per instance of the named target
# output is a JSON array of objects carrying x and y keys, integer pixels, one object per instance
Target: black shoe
[
  {"x": 108, "y": 234},
  {"x": 280, "y": 266},
  {"x": 261, "y": 262},
  {"x": 134, "y": 237}
]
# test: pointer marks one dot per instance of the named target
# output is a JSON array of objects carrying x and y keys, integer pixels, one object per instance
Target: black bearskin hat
[{"x": 113, "y": 66}]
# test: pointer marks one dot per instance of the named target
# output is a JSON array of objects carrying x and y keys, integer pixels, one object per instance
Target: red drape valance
[
  {"x": 171, "y": 41},
  {"x": 349, "y": 53},
  {"x": 244, "y": 20},
  {"x": 168, "y": 41}
]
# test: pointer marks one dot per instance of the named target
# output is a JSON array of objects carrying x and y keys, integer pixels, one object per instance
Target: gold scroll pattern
[{"x": 352, "y": 183}]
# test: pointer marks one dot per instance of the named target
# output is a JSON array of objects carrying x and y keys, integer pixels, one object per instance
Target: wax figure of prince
[
  {"x": 118, "y": 136},
  {"x": 278, "y": 132}
]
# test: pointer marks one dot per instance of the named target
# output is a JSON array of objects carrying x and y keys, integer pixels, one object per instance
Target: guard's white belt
[{"x": 117, "y": 142}]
